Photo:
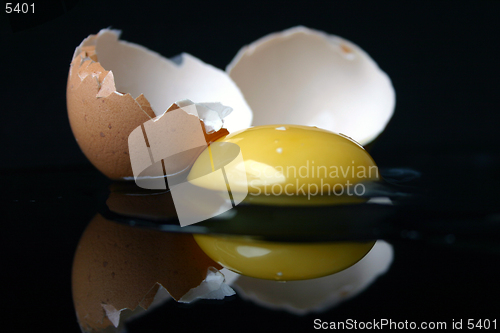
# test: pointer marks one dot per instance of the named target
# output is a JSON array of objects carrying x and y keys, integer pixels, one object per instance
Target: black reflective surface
[
  {"x": 444, "y": 265},
  {"x": 410, "y": 212}
]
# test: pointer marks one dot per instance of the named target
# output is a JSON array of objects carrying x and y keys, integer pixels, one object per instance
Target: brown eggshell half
[
  {"x": 101, "y": 125},
  {"x": 108, "y": 82},
  {"x": 121, "y": 267}
]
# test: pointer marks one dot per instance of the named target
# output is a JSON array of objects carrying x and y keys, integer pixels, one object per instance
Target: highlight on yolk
[{"x": 286, "y": 165}]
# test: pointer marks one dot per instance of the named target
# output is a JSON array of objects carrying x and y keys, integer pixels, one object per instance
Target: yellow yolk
[
  {"x": 289, "y": 164},
  {"x": 285, "y": 165}
]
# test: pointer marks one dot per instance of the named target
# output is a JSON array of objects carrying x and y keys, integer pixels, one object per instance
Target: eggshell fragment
[
  {"x": 115, "y": 86},
  {"x": 118, "y": 267},
  {"x": 306, "y": 77}
]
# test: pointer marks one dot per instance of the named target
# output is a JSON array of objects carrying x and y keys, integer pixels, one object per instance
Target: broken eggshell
[
  {"x": 328, "y": 82},
  {"x": 115, "y": 86},
  {"x": 298, "y": 76},
  {"x": 306, "y": 77}
]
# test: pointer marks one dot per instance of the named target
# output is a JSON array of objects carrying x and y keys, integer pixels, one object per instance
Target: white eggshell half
[{"x": 307, "y": 77}]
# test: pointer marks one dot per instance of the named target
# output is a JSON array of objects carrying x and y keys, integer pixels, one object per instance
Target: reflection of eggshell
[
  {"x": 315, "y": 295},
  {"x": 115, "y": 86},
  {"x": 118, "y": 267},
  {"x": 127, "y": 200},
  {"x": 154, "y": 206},
  {"x": 306, "y": 77}
]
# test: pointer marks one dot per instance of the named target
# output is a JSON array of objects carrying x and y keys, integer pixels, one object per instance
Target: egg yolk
[{"x": 286, "y": 165}]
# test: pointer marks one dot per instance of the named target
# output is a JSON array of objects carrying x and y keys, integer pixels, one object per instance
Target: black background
[{"x": 442, "y": 57}]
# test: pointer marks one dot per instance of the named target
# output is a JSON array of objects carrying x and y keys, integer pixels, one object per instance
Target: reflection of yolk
[
  {"x": 281, "y": 261},
  {"x": 290, "y": 165}
]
